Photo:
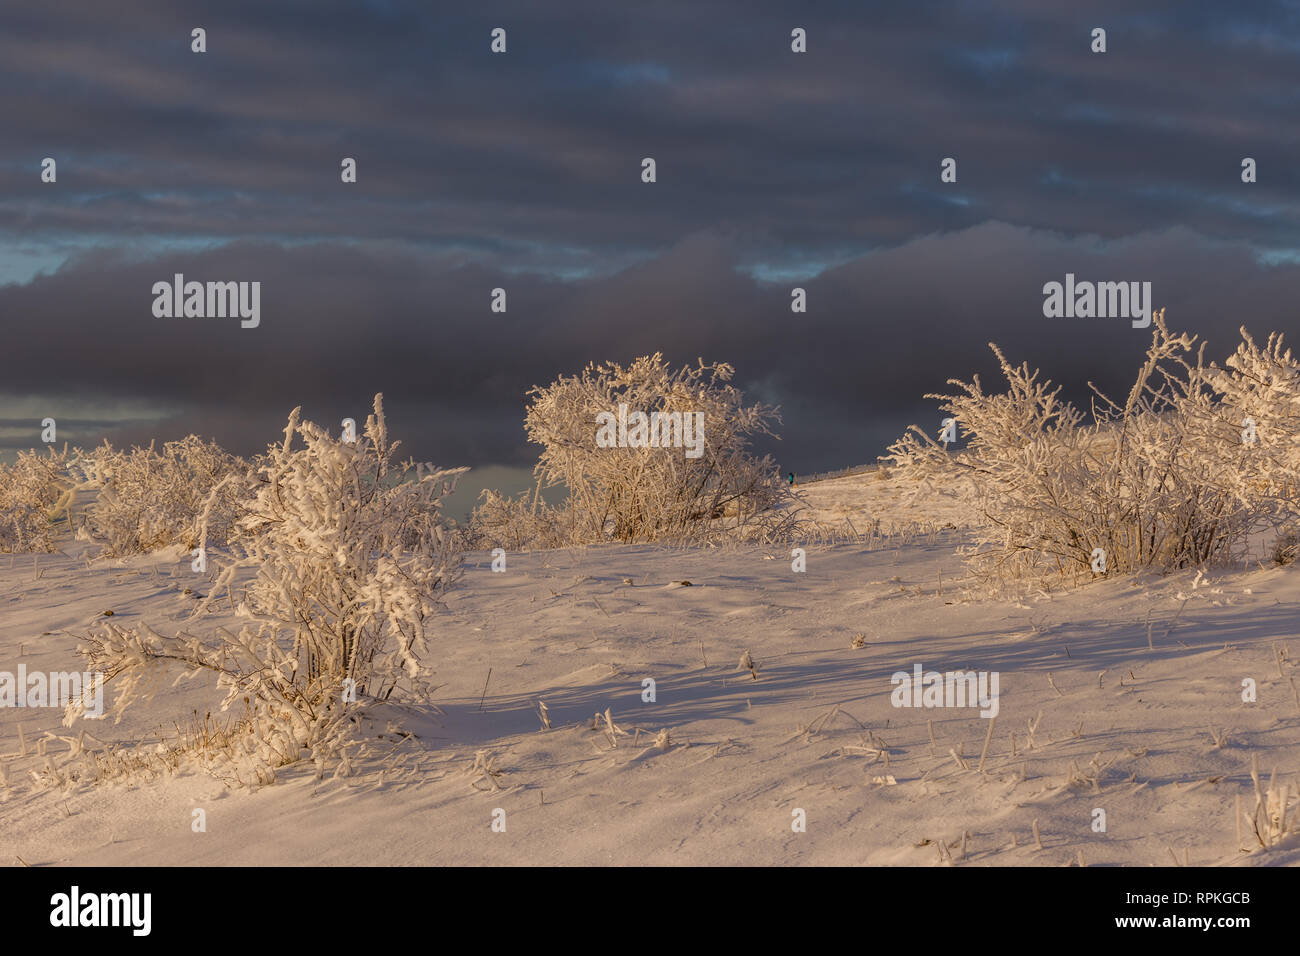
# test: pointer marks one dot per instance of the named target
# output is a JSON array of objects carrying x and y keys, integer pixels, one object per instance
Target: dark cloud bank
[{"x": 340, "y": 323}]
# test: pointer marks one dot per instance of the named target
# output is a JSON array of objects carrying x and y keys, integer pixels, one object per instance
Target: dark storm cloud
[
  {"x": 523, "y": 171},
  {"x": 341, "y": 323}
]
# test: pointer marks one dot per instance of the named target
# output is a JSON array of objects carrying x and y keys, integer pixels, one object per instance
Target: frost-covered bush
[
  {"x": 1260, "y": 390},
  {"x": 149, "y": 499},
  {"x": 631, "y": 490},
  {"x": 1286, "y": 546},
  {"x": 33, "y": 492},
  {"x": 525, "y": 523},
  {"x": 339, "y": 605},
  {"x": 277, "y": 723},
  {"x": 1164, "y": 480},
  {"x": 326, "y": 533}
]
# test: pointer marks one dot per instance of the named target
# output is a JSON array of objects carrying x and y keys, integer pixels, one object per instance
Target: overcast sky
[{"x": 522, "y": 170}]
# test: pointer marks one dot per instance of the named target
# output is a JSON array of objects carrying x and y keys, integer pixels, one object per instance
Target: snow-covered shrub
[
  {"x": 149, "y": 499},
  {"x": 279, "y": 724},
  {"x": 1286, "y": 546},
  {"x": 525, "y": 523},
  {"x": 326, "y": 534},
  {"x": 33, "y": 492},
  {"x": 1162, "y": 481},
  {"x": 682, "y": 486},
  {"x": 1260, "y": 390},
  {"x": 339, "y": 606}
]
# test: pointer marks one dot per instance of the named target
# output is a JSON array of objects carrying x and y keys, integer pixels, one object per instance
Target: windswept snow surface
[
  {"x": 875, "y": 501},
  {"x": 1123, "y": 729}
]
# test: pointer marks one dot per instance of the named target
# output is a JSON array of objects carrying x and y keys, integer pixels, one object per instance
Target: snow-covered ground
[
  {"x": 1089, "y": 717},
  {"x": 877, "y": 502}
]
